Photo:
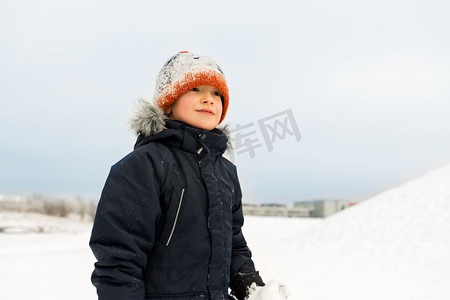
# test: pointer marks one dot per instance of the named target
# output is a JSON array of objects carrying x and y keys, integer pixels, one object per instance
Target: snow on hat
[{"x": 185, "y": 71}]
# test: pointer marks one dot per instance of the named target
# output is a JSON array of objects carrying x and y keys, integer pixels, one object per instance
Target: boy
[{"x": 168, "y": 224}]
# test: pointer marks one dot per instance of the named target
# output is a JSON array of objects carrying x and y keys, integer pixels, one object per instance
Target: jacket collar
[{"x": 150, "y": 124}]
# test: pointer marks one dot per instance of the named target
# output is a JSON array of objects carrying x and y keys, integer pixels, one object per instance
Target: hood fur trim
[
  {"x": 148, "y": 119},
  {"x": 226, "y": 130}
]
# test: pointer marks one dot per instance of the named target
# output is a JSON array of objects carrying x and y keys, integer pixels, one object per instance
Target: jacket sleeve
[
  {"x": 243, "y": 272},
  {"x": 124, "y": 228}
]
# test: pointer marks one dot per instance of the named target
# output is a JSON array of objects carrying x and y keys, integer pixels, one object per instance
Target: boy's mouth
[{"x": 205, "y": 111}]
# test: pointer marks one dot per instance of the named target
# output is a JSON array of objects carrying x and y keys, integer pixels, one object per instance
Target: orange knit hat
[{"x": 185, "y": 71}]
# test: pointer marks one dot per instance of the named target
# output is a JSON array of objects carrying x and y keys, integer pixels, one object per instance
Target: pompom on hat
[{"x": 185, "y": 71}]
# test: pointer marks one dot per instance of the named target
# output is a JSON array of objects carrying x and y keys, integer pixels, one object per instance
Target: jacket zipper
[{"x": 176, "y": 217}]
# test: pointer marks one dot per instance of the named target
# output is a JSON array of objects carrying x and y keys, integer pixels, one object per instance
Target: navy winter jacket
[{"x": 168, "y": 224}]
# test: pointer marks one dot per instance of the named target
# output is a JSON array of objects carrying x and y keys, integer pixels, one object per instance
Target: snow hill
[{"x": 393, "y": 246}]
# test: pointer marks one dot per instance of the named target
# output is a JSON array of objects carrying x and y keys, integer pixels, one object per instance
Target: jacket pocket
[{"x": 172, "y": 215}]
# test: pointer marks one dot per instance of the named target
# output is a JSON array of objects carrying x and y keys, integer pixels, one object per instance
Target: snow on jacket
[{"x": 168, "y": 224}]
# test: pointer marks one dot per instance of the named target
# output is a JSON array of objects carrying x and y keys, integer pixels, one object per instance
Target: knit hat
[{"x": 185, "y": 71}]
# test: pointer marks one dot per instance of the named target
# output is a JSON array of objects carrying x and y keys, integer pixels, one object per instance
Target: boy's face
[{"x": 200, "y": 107}]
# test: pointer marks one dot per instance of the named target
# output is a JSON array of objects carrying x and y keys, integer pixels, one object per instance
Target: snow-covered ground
[{"x": 393, "y": 246}]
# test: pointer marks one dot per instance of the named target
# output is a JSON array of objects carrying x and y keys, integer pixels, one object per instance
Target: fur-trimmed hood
[{"x": 148, "y": 120}]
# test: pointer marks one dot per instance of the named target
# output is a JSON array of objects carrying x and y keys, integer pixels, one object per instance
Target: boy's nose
[{"x": 207, "y": 98}]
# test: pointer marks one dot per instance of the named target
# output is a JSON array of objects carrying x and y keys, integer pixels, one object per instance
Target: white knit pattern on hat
[{"x": 177, "y": 67}]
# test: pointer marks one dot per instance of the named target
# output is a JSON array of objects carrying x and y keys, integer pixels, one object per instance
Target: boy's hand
[{"x": 242, "y": 288}]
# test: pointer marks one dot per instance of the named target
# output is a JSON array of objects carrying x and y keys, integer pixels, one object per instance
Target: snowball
[{"x": 273, "y": 290}]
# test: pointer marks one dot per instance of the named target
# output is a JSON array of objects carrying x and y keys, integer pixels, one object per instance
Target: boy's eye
[
  {"x": 195, "y": 89},
  {"x": 217, "y": 93}
]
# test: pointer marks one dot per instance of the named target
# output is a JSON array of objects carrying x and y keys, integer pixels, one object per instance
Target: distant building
[
  {"x": 322, "y": 208},
  {"x": 274, "y": 210},
  {"x": 318, "y": 208}
]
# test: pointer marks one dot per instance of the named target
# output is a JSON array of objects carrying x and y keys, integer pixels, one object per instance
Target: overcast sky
[{"x": 365, "y": 82}]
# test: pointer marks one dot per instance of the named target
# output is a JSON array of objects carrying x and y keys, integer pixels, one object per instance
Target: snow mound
[{"x": 395, "y": 245}]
